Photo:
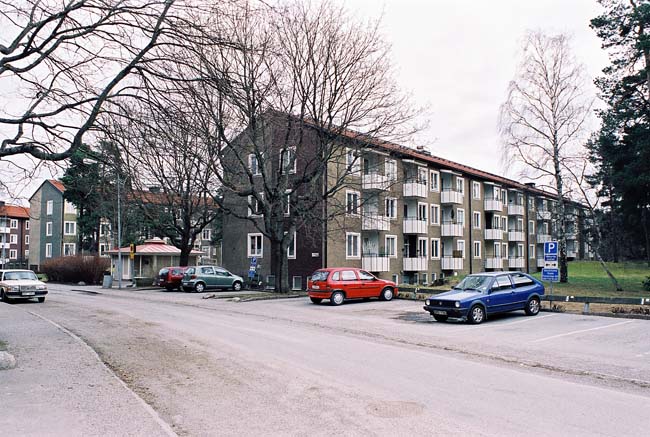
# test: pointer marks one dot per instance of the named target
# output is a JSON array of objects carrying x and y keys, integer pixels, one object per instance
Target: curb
[
  {"x": 279, "y": 296},
  {"x": 7, "y": 361}
]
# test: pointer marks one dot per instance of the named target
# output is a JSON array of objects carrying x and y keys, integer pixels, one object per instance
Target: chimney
[{"x": 530, "y": 184}]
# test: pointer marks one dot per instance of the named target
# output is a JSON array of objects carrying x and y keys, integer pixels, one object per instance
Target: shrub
[
  {"x": 646, "y": 283},
  {"x": 89, "y": 269}
]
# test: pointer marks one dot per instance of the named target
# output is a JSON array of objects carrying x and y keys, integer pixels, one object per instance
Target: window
[
  {"x": 48, "y": 229},
  {"x": 13, "y": 224},
  {"x": 395, "y": 278},
  {"x": 504, "y": 223},
  {"x": 352, "y": 245},
  {"x": 348, "y": 275},
  {"x": 460, "y": 185},
  {"x": 13, "y": 239},
  {"x": 296, "y": 283},
  {"x": 531, "y": 204},
  {"x": 391, "y": 207},
  {"x": 291, "y": 249},
  {"x": 501, "y": 283},
  {"x": 69, "y": 228},
  {"x": 13, "y": 254},
  {"x": 422, "y": 175},
  {"x": 504, "y": 197},
  {"x": 102, "y": 249},
  {"x": 391, "y": 246},
  {"x": 253, "y": 165},
  {"x": 206, "y": 234},
  {"x": 435, "y": 214},
  {"x": 531, "y": 251},
  {"x": 26, "y": 239},
  {"x": 476, "y": 220},
  {"x": 255, "y": 205},
  {"x": 521, "y": 280},
  {"x": 520, "y": 250},
  {"x": 27, "y": 225},
  {"x": 460, "y": 217},
  {"x": 365, "y": 276},
  {"x": 352, "y": 202},
  {"x": 422, "y": 211},
  {"x": 391, "y": 169},
  {"x": 460, "y": 245},
  {"x": 104, "y": 229},
  {"x": 422, "y": 247},
  {"x": 477, "y": 249},
  {"x": 504, "y": 250},
  {"x": 434, "y": 178},
  {"x": 476, "y": 190},
  {"x": 255, "y": 245},
  {"x": 207, "y": 270},
  {"x": 352, "y": 163},
  {"x": 69, "y": 208},
  {"x": 287, "y": 203},
  {"x": 49, "y": 207},
  {"x": 435, "y": 248},
  {"x": 423, "y": 279},
  {"x": 288, "y": 160},
  {"x": 497, "y": 250},
  {"x": 69, "y": 249},
  {"x": 27, "y": 253},
  {"x": 531, "y": 227}
]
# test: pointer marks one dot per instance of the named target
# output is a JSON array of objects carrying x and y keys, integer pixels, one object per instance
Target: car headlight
[
  {"x": 13, "y": 288},
  {"x": 457, "y": 304},
  {"x": 41, "y": 287},
  {"x": 427, "y": 302}
]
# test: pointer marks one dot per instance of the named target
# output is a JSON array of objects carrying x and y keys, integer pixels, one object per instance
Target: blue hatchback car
[{"x": 483, "y": 294}]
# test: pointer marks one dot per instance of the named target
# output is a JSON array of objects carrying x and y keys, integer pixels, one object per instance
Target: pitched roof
[
  {"x": 57, "y": 184},
  {"x": 14, "y": 211}
]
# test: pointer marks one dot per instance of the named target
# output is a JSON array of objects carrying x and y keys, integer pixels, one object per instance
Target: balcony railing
[
  {"x": 514, "y": 209},
  {"x": 494, "y": 263},
  {"x": 5, "y": 230},
  {"x": 375, "y": 263},
  {"x": 543, "y": 215},
  {"x": 451, "y": 263},
  {"x": 494, "y": 234},
  {"x": 451, "y": 230},
  {"x": 544, "y": 238},
  {"x": 374, "y": 222},
  {"x": 451, "y": 196},
  {"x": 412, "y": 225},
  {"x": 5, "y": 246},
  {"x": 416, "y": 264},
  {"x": 375, "y": 181},
  {"x": 415, "y": 189},
  {"x": 516, "y": 235},
  {"x": 516, "y": 263},
  {"x": 493, "y": 205}
]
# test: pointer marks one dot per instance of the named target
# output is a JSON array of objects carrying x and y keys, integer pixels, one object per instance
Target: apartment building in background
[
  {"x": 14, "y": 236},
  {"x": 414, "y": 218}
]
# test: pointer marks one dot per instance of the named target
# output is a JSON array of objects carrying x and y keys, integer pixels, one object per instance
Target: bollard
[{"x": 585, "y": 310}]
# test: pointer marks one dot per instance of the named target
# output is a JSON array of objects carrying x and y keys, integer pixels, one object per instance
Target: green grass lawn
[{"x": 587, "y": 278}]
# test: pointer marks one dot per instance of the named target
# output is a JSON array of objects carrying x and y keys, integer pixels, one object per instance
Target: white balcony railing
[
  {"x": 515, "y": 209},
  {"x": 416, "y": 264},
  {"x": 543, "y": 215},
  {"x": 5, "y": 245},
  {"x": 375, "y": 263},
  {"x": 414, "y": 226},
  {"x": 494, "y": 234},
  {"x": 516, "y": 236},
  {"x": 415, "y": 189},
  {"x": 451, "y": 230},
  {"x": 516, "y": 263},
  {"x": 451, "y": 196},
  {"x": 5, "y": 230},
  {"x": 543, "y": 238},
  {"x": 493, "y": 205},
  {"x": 494, "y": 263},
  {"x": 374, "y": 222},
  {"x": 451, "y": 263},
  {"x": 375, "y": 181}
]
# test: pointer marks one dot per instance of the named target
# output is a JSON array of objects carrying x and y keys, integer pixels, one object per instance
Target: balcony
[
  {"x": 374, "y": 222},
  {"x": 415, "y": 189},
  {"x": 494, "y": 234},
  {"x": 494, "y": 263},
  {"x": 5, "y": 230},
  {"x": 375, "y": 263},
  {"x": 419, "y": 264},
  {"x": 412, "y": 225},
  {"x": 5, "y": 245},
  {"x": 540, "y": 262},
  {"x": 493, "y": 205},
  {"x": 451, "y": 263},
  {"x": 516, "y": 236},
  {"x": 516, "y": 263},
  {"x": 375, "y": 181},
  {"x": 544, "y": 238},
  {"x": 514, "y": 209},
  {"x": 543, "y": 215},
  {"x": 451, "y": 230},
  {"x": 451, "y": 196}
]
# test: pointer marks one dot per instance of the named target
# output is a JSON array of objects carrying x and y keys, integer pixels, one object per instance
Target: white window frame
[
  {"x": 354, "y": 165},
  {"x": 69, "y": 245},
  {"x": 27, "y": 225},
  {"x": 13, "y": 239},
  {"x": 504, "y": 223},
  {"x": 259, "y": 253},
  {"x": 254, "y": 212},
  {"x": 426, "y": 242},
  {"x": 356, "y": 255},
  {"x": 392, "y": 164},
  {"x": 69, "y": 208},
  {"x": 292, "y": 248},
  {"x": 520, "y": 251},
  {"x": 460, "y": 245},
  {"x": 49, "y": 207},
  {"x": 26, "y": 253},
  {"x": 254, "y": 171},
  {"x": 476, "y": 190},
  {"x": 13, "y": 224},
  {"x": 26, "y": 239},
  {"x": 497, "y": 250},
  {"x": 290, "y": 153},
  {"x": 433, "y": 252},
  {"x": 435, "y": 214},
  {"x": 475, "y": 224},
  {"x": 390, "y": 201},
  {"x": 48, "y": 250},
  {"x": 73, "y": 225},
  {"x": 206, "y": 234},
  {"x": 425, "y": 210},
  {"x": 531, "y": 251},
  {"x": 287, "y": 203},
  {"x": 48, "y": 229},
  {"x": 504, "y": 250},
  {"x": 434, "y": 176},
  {"x": 394, "y": 239},
  {"x": 13, "y": 254},
  {"x": 477, "y": 250},
  {"x": 423, "y": 176},
  {"x": 103, "y": 248},
  {"x": 531, "y": 227},
  {"x": 357, "y": 208},
  {"x": 460, "y": 212},
  {"x": 293, "y": 283},
  {"x": 460, "y": 185}
]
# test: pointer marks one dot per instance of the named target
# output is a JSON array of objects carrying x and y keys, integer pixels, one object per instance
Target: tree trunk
[
  {"x": 561, "y": 214},
  {"x": 185, "y": 255},
  {"x": 646, "y": 233},
  {"x": 279, "y": 267}
]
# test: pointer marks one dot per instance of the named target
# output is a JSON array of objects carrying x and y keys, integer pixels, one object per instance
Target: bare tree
[{"x": 542, "y": 121}]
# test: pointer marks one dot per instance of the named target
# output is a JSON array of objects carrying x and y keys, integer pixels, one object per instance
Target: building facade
[
  {"x": 414, "y": 218},
  {"x": 14, "y": 236}
]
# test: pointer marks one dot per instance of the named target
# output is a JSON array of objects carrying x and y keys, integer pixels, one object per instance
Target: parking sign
[{"x": 550, "y": 271}]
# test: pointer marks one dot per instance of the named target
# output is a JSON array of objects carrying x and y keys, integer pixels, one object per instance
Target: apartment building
[
  {"x": 14, "y": 236},
  {"x": 415, "y": 218}
]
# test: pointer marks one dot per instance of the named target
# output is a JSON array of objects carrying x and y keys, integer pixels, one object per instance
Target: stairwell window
[
  {"x": 435, "y": 214},
  {"x": 477, "y": 249},
  {"x": 352, "y": 163},
  {"x": 49, "y": 208},
  {"x": 352, "y": 245},
  {"x": 434, "y": 178},
  {"x": 391, "y": 246},
  {"x": 435, "y": 248},
  {"x": 288, "y": 160},
  {"x": 476, "y": 220},
  {"x": 291, "y": 249},
  {"x": 352, "y": 202},
  {"x": 253, "y": 165},
  {"x": 48, "y": 250},
  {"x": 391, "y": 169},
  {"x": 48, "y": 229},
  {"x": 391, "y": 207},
  {"x": 70, "y": 228},
  {"x": 255, "y": 245},
  {"x": 476, "y": 190}
]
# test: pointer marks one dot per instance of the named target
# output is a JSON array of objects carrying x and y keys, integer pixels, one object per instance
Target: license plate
[
  {"x": 315, "y": 287},
  {"x": 440, "y": 313},
  {"x": 30, "y": 293}
]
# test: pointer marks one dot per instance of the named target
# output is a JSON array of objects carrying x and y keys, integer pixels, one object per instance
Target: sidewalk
[{"x": 59, "y": 387}]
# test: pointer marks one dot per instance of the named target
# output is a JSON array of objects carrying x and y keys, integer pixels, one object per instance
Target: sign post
[
  {"x": 550, "y": 271},
  {"x": 252, "y": 269}
]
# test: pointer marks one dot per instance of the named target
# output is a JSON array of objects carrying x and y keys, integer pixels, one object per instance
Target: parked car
[
  {"x": 21, "y": 284},
  {"x": 201, "y": 278},
  {"x": 339, "y": 284},
  {"x": 483, "y": 294},
  {"x": 171, "y": 277}
]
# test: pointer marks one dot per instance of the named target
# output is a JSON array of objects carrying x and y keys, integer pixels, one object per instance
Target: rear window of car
[
  {"x": 502, "y": 282},
  {"x": 163, "y": 272},
  {"x": 320, "y": 275},
  {"x": 348, "y": 275},
  {"x": 190, "y": 271},
  {"x": 521, "y": 280}
]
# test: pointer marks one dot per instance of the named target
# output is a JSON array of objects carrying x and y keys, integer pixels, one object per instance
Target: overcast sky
[{"x": 457, "y": 57}]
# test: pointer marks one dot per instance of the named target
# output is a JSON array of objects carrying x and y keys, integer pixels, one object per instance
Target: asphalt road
[{"x": 288, "y": 367}]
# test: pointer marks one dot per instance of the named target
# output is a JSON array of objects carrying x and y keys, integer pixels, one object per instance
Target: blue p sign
[{"x": 550, "y": 248}]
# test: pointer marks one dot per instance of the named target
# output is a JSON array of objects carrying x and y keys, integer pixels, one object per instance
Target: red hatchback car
[
  {"x": 340, "y": 283},
  {"x": 170, "y": 277}
]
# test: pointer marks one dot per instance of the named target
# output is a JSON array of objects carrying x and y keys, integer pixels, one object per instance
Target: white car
[{"x": 21, "y": 284}]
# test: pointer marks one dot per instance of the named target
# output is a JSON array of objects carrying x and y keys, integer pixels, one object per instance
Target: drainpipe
[{"x": 471, "y": 227}]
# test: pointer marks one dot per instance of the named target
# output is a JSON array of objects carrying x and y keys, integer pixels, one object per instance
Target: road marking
[
  {"x": 497, "y": 325},
  {"x": 582, "y": 330},
  {"x": 153, "y": 413}
]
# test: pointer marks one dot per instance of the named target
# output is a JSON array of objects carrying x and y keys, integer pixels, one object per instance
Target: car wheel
[
  {"x": 476, "y": 315},
  {"x": 3, "y": 297},
  {"x": 199, "y": 287},
  {"x": 41, "y": 299},
  {"x": 532, "y": 306},
  {"x": 169, "y": 288},
  {"x": 386, "y": 294},
  {"x": 236, "y": 286},
  {"x": 316, "y": 300},
  {"x": 337, "y": 298},
  {"x": 440, "y": 318}
]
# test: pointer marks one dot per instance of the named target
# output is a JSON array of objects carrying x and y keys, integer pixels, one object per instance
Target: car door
[
  {"x": 501, "y": 295},
  {"x": 223, "y": 279},
  {"x": 351, "y": 284},
  {"x": 370, "y": 286},
  {"x": 524, "y": 286},
  {"x": 207, "y": 275}
]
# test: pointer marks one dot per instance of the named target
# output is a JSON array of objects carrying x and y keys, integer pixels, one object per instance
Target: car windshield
[
  {"x": 474, "y": 282},
  {"x": 320, "y": 275},
  {"x": 13, "y": 276}
]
